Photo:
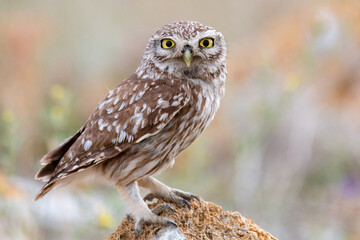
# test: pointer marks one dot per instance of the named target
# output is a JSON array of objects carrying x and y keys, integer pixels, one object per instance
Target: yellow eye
[
  {"x": 167, "y": 43},
  {"x": 207, "y": 42}
]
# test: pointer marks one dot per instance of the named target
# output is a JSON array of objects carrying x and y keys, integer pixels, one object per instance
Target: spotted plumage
[{"x": 148, "y": 119}]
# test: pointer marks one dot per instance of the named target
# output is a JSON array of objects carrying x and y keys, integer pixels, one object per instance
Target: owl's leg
[
  {"x": 161, "y": 191},
  {"x": 140, "y": 211}
]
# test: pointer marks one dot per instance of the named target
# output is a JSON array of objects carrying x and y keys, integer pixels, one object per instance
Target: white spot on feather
[
  {"x": 175, "y": 103},
  {"x": 87, "y": 145},
  {"x": 132, "y": 99},
  {"x": 122, "y": 136},
  {"x": 148, "y": 110},
  {"x": 162, "y": 103},
  {"x": 90, "y": 160},
  {"x": 74, "y": 167},
  {"x": 61, "y": 175},
  {"x": 102, "y": 125},
  {"x": 140, "y": 95},
  {"x": 164, "y": 116},
  {"x": 139, "y": 118},
  {"x": 199, "y": 102},
  {"x": 116, "y": 100},
  {"x": 109, "y": 110},
  {"x": 71, "y": 155},
  {"x": 102, "y": 104},
  {"x": 136, "y": 110},
  {"x": 130, "y": 138},
  {"x": 122, "y": 105},
  {"x": 143, "y": 123}
]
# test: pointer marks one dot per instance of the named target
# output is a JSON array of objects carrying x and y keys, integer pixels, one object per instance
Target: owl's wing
[{"x": 132, "y": 112}]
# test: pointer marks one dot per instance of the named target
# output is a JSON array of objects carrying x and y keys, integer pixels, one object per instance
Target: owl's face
[{"x": 185, "y": 49}]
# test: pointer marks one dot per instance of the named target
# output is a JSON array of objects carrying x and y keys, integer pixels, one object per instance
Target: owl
[{"x": 143, "y": 124}]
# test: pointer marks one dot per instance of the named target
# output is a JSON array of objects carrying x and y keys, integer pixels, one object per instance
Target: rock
[
  {"x": 205, "y": 220},
  {"x": 169, "y": 233}
]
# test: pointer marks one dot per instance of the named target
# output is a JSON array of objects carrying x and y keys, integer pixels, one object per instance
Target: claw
[
  {"x": 187, "y": 203},
  {"x": 170, "y": 208},
  {"x": 169, "y": 222},
  {"x": 176, "y": 196},
  {"x": 161, "y": 208},
  {"x": 153, "y": 220},
  {"x": 137, "y": 231},
  {"x": 138, "y": 228},
  {"x": 196, "y": 197}
]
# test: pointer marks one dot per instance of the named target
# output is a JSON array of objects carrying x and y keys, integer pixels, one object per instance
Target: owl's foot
[
  {"x": 162, "y": 208},
  {"x": 140, "y": 212},
  {"x": 161, "y": 191},
  {"x": 173, "y": 195},
  {"x": 155, "y": 219}
]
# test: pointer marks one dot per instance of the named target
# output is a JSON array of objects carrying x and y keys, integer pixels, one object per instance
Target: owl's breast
[{"x": 195, "y": 116}]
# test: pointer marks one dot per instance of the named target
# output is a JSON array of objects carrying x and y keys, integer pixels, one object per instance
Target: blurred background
[{"x": 284, "y": 149}]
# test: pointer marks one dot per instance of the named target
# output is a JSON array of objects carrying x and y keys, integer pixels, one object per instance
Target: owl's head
[{"x": 184, "y": 49}]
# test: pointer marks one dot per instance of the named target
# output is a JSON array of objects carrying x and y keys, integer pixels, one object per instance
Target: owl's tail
[
  {"x": 51, "y": 160},
  {"x": 45, "y": 190}
]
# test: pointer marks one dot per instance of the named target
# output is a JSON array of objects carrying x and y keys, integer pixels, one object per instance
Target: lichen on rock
[{"x": 205, "y": 220}]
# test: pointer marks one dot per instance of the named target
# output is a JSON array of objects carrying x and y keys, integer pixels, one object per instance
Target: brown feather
[
  {"x": 97, "y": 142},
  {"x": 52, "y": 159}
]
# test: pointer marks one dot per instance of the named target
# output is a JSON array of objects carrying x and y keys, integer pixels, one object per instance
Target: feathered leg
[{"x": 139, "y": 209}]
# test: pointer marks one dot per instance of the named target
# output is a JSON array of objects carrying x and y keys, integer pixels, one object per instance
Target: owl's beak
[{"x": 187, "y": 55}]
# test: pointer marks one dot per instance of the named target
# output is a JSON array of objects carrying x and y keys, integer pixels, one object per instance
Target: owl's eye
[
  {"x": 167, "y": 43},
  {"x": 207, "y": 42}
]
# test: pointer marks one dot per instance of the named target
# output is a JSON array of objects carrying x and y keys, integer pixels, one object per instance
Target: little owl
[{"x": 145, "y": 122}]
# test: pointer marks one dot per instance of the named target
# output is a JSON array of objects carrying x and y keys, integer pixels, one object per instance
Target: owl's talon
[
  {"x": 153, "y": 220},
  {"x": 137, "y": 231},
  {"x": 196, "y": 197},
  {"x": 186, "y": 202},
  {"x": 176, "y": 196},
  {"x": 162, "y": 208},
  {"x": 170, "y": 223},
  {"x": 149, "y": 197}
]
